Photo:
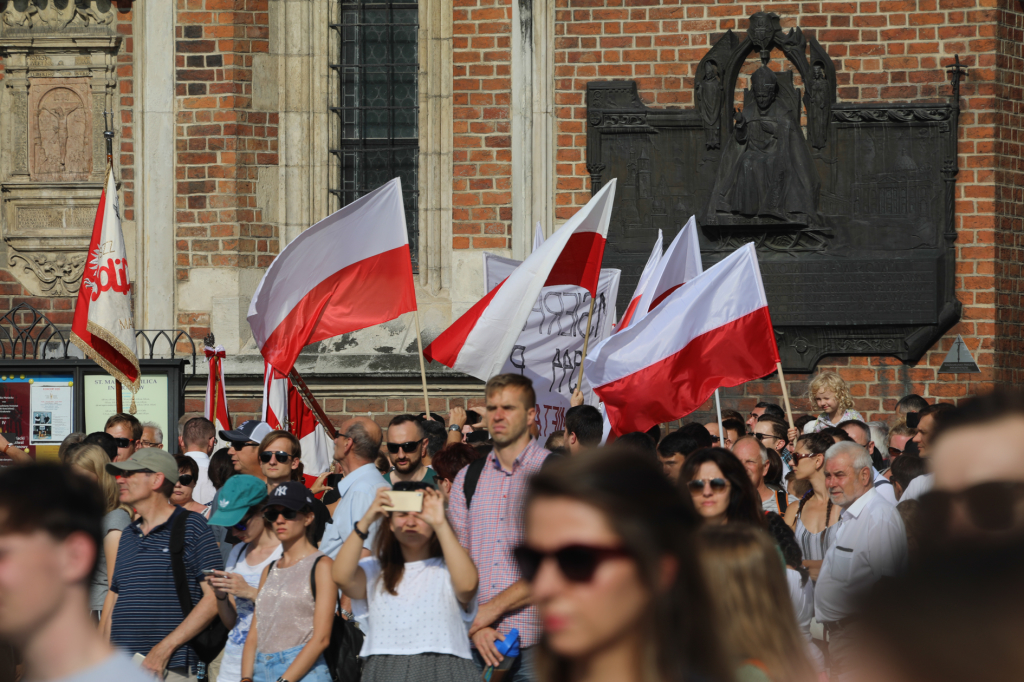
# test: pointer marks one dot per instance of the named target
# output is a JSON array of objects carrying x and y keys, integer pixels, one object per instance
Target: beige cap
[{"x": 148, "y": 459}]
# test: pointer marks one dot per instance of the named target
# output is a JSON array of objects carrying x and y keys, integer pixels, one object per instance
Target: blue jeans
[
  {"x": 269, "y": 667},
  {"x": 521, "y": 671}
]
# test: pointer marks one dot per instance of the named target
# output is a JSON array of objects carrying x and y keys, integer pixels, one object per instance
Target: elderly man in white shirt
[{"x": 871, "y": 543}]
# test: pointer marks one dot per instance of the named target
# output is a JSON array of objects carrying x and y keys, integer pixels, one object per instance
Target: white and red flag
[
  {"x": 216, "y": 408},
  {"x": 481, "y": 341},
  {"x": 103, "y": 326},
  {"x": 349, "y": 271},
  {"x": 679, "y": 265},
  {"x": 641, "y": 286},
  {"x": 714, "y": 332},
  {"x": 284, "y": 409}
]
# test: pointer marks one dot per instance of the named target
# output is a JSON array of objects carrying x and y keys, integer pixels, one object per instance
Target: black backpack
[
  {"x": 210, "y": 642},
  {"x": 342, "y": 653}
]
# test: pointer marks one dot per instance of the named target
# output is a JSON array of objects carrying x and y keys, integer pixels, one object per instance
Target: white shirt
[
  {"x": 204, "y": 491},
  {"x": 871, "y": 542},
  {"x": 886, "y": 489},
  {"x": 918, "y": 487},
  {"x": 803, "y": 603},
  {"x": 424, "y": 617},
  {"x": 357, "y": 490},
  {"x": 231, "y": 665}
]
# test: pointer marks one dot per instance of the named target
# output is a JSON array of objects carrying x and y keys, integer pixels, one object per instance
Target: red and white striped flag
[
  {"x": 284, "y": 409},
  {"x": 216, "y": 408},
  {"x": 103, "y": 326},
  {"x": 679, "y": 265},
  {"x": 479, "y": 342},
  {"x": 350, "y": 271},
  {"x": 714, "y": 332},
  {"x": 641, "y": 286}
]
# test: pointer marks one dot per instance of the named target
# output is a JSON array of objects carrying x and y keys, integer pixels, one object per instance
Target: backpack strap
[
  {"x": 780, "y": 499},
  {"x": 882, "y": 481},
  {"x": 176, "y": 547},
  {"x": 473, "y": 471}
]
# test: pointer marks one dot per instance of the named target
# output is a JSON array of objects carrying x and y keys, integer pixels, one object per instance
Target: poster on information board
[
  {"x": 36, "y": 412},
  {"x": 150, "y": 401}
]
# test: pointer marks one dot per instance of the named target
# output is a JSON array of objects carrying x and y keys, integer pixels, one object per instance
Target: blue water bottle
[{"x": 509, "y": 648}]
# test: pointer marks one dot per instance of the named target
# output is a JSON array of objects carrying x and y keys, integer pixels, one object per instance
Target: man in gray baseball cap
[{"x": 148, "y": 460}]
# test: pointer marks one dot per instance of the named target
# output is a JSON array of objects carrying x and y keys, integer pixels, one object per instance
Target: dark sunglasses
[
  {"x": 895, "y": 452},
  {"x": 244, "y": 523},
  {"x": 186, "y": 479},
  {"x": 271, "y": 514},
  {"x": 576, "y": 562},
  {"x": 239, "y": 444},
  {"x": 129, "y": 474},
  {"x": 761, "y": 436},
  {"x": 123, "y": 442},
  {"x": 715, "y": 439},
  {"x": 697, "y": 485},
  {"x": 798, "y": 456},
  {"x": 282, "y": 457},
  {"x": 409, "y": 447},
  {"x": 989, "y": 506}
]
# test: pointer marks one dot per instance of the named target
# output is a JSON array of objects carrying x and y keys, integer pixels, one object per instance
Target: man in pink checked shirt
[{"x": 486, "y": 512}]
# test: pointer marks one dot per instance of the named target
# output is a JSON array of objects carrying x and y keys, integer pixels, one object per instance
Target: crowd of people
[{"x": 756, "y": 548}]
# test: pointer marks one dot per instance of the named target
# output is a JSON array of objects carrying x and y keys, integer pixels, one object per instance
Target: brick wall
[
  {"x": 220, "y": 142},
  {"x": 482, "y": 145}
]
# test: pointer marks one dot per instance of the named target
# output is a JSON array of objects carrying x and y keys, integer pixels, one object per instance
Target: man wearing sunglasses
[
  {"x": 245, "y": 445},
  {"x": 870, "y": 543},
  {"x": 126, "y": 431},
  {"x": 490, "y": 524},
  {"x": 406, "y": 443}
]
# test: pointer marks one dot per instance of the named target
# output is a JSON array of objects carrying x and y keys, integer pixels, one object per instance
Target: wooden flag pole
[
  {"x": 785, "y": 395},
  {"x": 423, "y": 366},
  {"x": 119, "y": 401},
  {"x": 586, "y": 342},
  {"x": 311, "y": 403}
]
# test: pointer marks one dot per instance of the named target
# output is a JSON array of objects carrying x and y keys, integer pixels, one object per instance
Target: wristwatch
[
  {"x": 454, "y": 427},
  {"x": 281, "y": 679}
]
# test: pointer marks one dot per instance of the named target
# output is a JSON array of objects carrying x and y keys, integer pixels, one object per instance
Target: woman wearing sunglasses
[
  {"x": 814, "y": 519},
  {"x": 238, "y": 507},
  {"x": 720, "y": 488},
  {"x": 279, "y": 455},
  {"x": 188, "y": 476},
  {"x": 420, "y": 591},
  {"x": 291, "y": 626},
  {"x": 609, "y": 554}
]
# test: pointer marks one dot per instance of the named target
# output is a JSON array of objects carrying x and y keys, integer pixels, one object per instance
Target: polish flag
[
  {"x": 102, "y": 326},
  {"x": 645, "y": 280},
  {"x": 479, "y": 342},
  {"x": 350, "y": 271},
  {"x": 714, "y": 332},
  {"x": 216, "y": 408},
  {"x": 679, "y": 265},
  {"x": 284, "y": 409}
]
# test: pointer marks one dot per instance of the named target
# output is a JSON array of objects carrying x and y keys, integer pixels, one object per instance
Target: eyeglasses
[
  {"x": 271, "y": 514},
  {"x": 145, "y": 444},
  {"x": 761, "y": 436},
  {"x": 129, "y": 474},
  {"x": 697, "y": 485},
  {"x": 895, "y": 452},
  {"x": 715, "y": 439},
  {"x": 578, "y": 563},
  {"x": 799, "y": 456},
  {"x": 989, "y": 506},
  {"x": 186, "y": 479},
  {"x": 237, "y": 445},
  {"x": 243, "y": 524},
  {"x": 282, "y": 457},
  {"x": 123, "y": 442},
  {"x": 409, "y": 447}
]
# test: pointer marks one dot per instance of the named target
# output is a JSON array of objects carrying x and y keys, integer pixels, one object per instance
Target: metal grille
[{"x": 377, "y": 131}]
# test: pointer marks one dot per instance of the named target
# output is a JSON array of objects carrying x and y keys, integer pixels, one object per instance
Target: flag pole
[
  {"x": 721, "y": 431},
  {"x": 108, "y": 135},
  {"x": 423, "y": 366},
  {"x": 785, "y": 395},
  {"x": 311, "y": 403},
  {"x": 586, "y": 341}
]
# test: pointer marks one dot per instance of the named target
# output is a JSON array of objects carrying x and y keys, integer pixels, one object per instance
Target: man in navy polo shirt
[{"x": 146, "y": 615}]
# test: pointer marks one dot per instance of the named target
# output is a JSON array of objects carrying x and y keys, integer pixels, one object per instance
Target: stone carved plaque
[
  {"x": 60, "y": 129},
  {"x": 861, "y": 257}
]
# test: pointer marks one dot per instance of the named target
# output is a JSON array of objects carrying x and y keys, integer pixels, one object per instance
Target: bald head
[{"x": 365, "y": 437}]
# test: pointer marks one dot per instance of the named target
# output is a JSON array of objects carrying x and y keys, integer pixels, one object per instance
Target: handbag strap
[{"x": 176, "y": 547}]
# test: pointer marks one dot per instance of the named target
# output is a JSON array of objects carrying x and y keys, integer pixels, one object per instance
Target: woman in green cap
[{"x": 238, "y": 506}]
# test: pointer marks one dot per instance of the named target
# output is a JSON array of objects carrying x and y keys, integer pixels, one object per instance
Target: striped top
[
  {"x": 147, "y": 608},
  {"x": 814, "y": 545}
]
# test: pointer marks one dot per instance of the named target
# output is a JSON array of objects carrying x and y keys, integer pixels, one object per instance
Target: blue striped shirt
[{"x": 147, "y": 608}]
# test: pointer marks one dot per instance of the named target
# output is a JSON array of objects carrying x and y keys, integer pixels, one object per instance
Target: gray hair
[
  {"x": 880, "y": 436},
  {"x": 760, "y": 447},
  {"x": 859, "y": 455},
  {"x": 363, "y": 444},
  {"x": 156, "y": 430}
]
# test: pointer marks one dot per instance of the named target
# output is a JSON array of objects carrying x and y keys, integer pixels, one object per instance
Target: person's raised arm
[
  {"x": 460, "y": 565},
  {"x": 323, "y": 619},
  {"x": 346, "y": 572}
]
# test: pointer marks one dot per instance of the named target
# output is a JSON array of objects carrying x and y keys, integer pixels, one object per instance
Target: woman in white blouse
[{"x": 420, "y": 590}]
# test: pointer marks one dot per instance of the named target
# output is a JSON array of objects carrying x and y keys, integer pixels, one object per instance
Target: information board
[
  {"x": 150, "y": 401},
  {"x": 36, "y": 412}
]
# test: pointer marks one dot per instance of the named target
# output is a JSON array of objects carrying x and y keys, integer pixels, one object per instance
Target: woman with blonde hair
[
  {"x": 830, "y": 394},
  {"x": 750, "y": 600},
  {"x": 90, "y": 461}
]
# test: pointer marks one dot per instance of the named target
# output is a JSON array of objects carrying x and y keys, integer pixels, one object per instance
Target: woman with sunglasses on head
[
  {"x": 238, "y": 507},
  {"x": 296, "y": 598},
  {"x": 188, "y": 476},
  {"x": 609, "y": 555},
  {"x": 814, "y": 519},
  {"x": 720, "y": 488},
  {"x": 747, "y": 584},
  {"x": 419, "y": 588},
  {"x": 279, "y": 455}
]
